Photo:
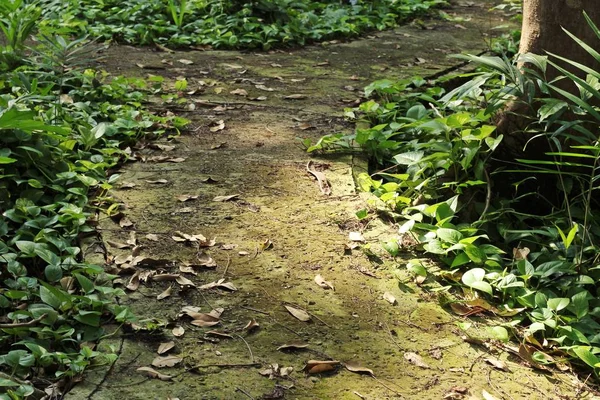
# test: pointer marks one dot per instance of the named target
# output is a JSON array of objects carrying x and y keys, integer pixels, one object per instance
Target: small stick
[
  {"x": 386, "y": 386},
  {"x": 256, "y": 310},
  {"x": 23, "y": 324},
  {"x": 237, "y": 389},
  {"x": 248, "y": 346},
  {"x": 206, "y": 300},
  {"x": 227, "y": 266},
  {"x": 243, "y": 365}
]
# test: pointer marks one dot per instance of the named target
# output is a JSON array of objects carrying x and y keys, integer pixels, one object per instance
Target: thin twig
[
  {"x": 237, "y": 389},
  {"x": 386, "y": 386},
  {"x": 206, "y": 300},
  {"x": 256, "y": 310},
  {"x": 23, "y": 324},
  {"x": 242, "y": 365},
  {"x": 227, "y": 266},
  {"x": 248, "y": 346}
]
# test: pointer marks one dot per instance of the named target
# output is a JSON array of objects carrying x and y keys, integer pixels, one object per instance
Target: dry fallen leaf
[
  {"x": 186, "y": 62},
  {"x": 251, "y": 325},
  {"x": 487, "y": 396},
  {"x": 186, "y": 197},
  {"x": 165, "y": 277},
  {"x": 323, "y": 283},
  {"x": 356, "y": 237},
  {"x": 158, "y": 182},
  {"x": 293, "y": 346},
  {"x": 183, "y": 281},
  {"x": 239, "y": 92},
  {"x": 498, "y": 364},
  {"x": 226, "y": 198},
  {"x": 178, "y": 331},
  {"x": 125, "y": 222},
  {"x": 358, "y": 369},
  {"x": 218, "y": 126},
  {"x": 521, "y": 253},
  {"x": 387, "y": 296},
  {"x": 166, "y": 361},
  {"x": 317, "y": 367},
  {"x": 176, "y": 160},
  {"x": 415, "y": 359},
  {"x": 219, "y": 284},
  {"x": 118, "y": 245},
  {"x": 295, "y": 97},
  {"x": 263, "y": 87},
  {"x": 164, "y": 347},
  {"x": 299, "y": 314},
  {"x": 134, "y": 282},
  {"x": 154, "y": 374},
  {"x": 165, "y": 294}
]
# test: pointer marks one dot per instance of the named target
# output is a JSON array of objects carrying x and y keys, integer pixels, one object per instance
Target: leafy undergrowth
[
  {"x": 512, "y": 220},
  {"x": 63, "y": 127},
  {"x": 229, "y": 24}
]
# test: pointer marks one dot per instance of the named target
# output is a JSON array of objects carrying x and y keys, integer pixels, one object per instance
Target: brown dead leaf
[
  {"x": 221, "y": 284},
  {"x": 183, "y": 281},
  {"x": 209, "y": 180},
  {"x": 176, "y": 160},
  {"x": 186, "y": 197},
  {"x": 158, "y": 182},
  {"x": 166, "y": 361},
  {"x": 298, "y": 314},
  {"x": 324, "y": 185},
  {"x": 487, "y": 396},
  {"x": 134, "y": 282},
  {"x": 526, "y": 353},
  {"x": 154, "y": 374},
  {"x": 461, "y": 309},
  {"x": 164, "y": 347},
  {"x": 218, "y": 126},
  {"x": 178, "y": 331},
  {"x": 259, "y": 98},
  {"x": 239, "y": 92},
  {"x": 152, "y": 237},
  {"x": 251, "y": 325},
  {"x": 356, "y": 237},
  {"x": 304, "y": 126},
  {"x": 415, "y": 359},
  {"x": 226, "y": 198},
  {"x": 118, "y": 245},
  {"x": 498, "y": 364},
  {"x": 387, "y": 296},
  {"x": 521, "y": 253},
  {"x": 165, "y": 294},
  {"x": 205, "y": 260},
  {"x": 322, "y": 64},
  {"x": 318, "y": 367},
  {"x": 165, "y": 277},
  {"x": 125, "y": 222},
  {"x": 185, "y": 61},
  {"x": 265, "y": 88},
  {"x": 127, "y": 185},
  {"x": 293, "y": 346},
  {"x": 358, "y": 369},
  {"x": 297, "y": 96},
  {"x": 323, "y": 283}
]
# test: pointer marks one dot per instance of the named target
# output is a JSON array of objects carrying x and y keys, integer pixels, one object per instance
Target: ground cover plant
[
  {"x": 63, "y": 127},
  {"x": 230, "y": 24},
  {"x": 515, "y": 227}
]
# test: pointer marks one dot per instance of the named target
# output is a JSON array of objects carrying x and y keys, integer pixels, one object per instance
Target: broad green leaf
[
  {"x": 409, "y": 158},
  {"x": 474, "y": 279},
  {"x": 558, "y": 304},
  {"x": 7, "y": 160},
  {"x": 500, "y": 333},
  {"x": 476, "y": 254},
  {"x": 580, "y": 304},
  {"x": 585, "y": 355},
  {"x": 449, "y": 235}
]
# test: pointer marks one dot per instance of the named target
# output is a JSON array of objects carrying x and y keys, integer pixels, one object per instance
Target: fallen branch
[{"x": 33, "y": 322}]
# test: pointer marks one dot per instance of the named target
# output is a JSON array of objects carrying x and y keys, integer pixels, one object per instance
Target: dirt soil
[{"x": 280, "y": 232}]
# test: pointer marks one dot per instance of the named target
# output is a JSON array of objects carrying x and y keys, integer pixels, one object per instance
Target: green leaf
[
  {"x": 500, "y": 333},
  {"x": 53, "y": 273},
  {"x": 7, "y": 160},
  {"x": 449, "y": 235},
  {"x": 391, "y": 247},
  {"x": 8, "y": 383},
  {"x": 580, "y": 304},
  {"x": 91, "y": 318},
  {"x": 474, "y": 279},
  {"x": 476, "y": 254},
  {"x": 86, "y": 284},
  {"x": 409, "y": 158},
  {"x": 585, "y": 355},
  {"x": 558, "y": 304},
  {"x": 460, "y": 259}
]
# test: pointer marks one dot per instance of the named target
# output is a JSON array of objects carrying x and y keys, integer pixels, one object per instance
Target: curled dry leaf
[
  {"x": 185, "y": 61},
  {"x": 158, "y": 182},
  {"x": 323, "y": 283},
  {"x": 259, "y": 98},
  {"x": 218, "y": 126},
  {"x": 521, "y": 253},
  {"x": 251, "y": 325},
  {"x": 219, "y": 284},
  {"x": 387, "y": 296},
  {"x": 295, "y": 97},
  {"x": 134, "y": 282},
  {"x": 127, "y": 185},
  {"x": 263, "y": 87},
  {"x": 176, "y": 160},
  {"x": 152, "y": 237},
  {"x": 165, "y": 294},
  {"x": 298, "y": 314},
  {"x": 293, "y": 346},
  {"x": 356, "y": 237},
  {"x": 358, "y": 369},
  {"x": 164, "y": 347},
  {"x": 318, "y": 367},
  {"x": 166, "y": 361},
  {"x": 205, "y": 260},
  {"x": 125, "y": 222},
  {"x": 186, "y": 197},
  {"x": 498, "y": 364},
  {"x": 178, "y": 331},
  {"x": 165, "y": 277},
  {"x": 239, "y": 92},
  {"x": 226, "y": 198},
  {"x": 266, "y": 245},
  {"x": 187, "y": 269},
  {"x": 152, "y": 373},
  {"x": 118, "y": 245},
  {"x": 415, "y": 359},
  {"x": 183, "y": 281}
]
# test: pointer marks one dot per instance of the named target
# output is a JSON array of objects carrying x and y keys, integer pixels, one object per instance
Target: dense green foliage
[
  {"x": 62, "y": 127},
  {"x": 227, "y": 23},
  {"x": 515, "y": 228}
]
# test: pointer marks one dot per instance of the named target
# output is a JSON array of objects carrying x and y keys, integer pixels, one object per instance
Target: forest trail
[{"x": 277, "y": 233}]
